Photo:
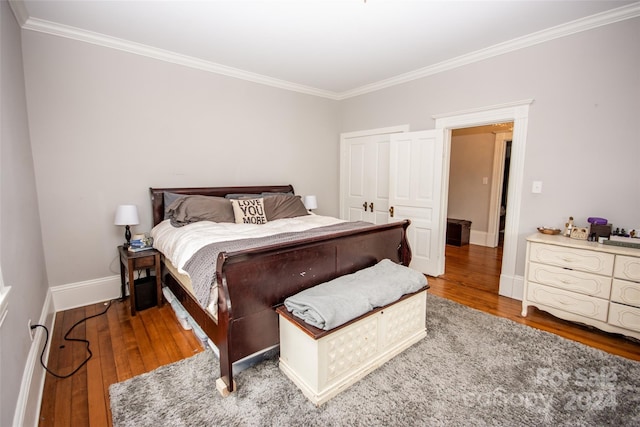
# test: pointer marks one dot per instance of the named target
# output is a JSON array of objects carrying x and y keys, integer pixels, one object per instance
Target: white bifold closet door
[{"x": 391, "y": 176}]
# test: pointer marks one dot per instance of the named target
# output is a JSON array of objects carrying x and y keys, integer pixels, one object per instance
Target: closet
[
  {"x": 365, "y": 181},
  {"x": 390, "y": 175}
]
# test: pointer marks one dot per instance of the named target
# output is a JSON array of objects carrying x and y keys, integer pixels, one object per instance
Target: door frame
[
  {"x": 497, "y": 180},
  {"x": 518, "y": 113}
]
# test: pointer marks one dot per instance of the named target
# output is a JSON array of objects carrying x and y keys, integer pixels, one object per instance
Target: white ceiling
[{"x": 332, "y": 48}]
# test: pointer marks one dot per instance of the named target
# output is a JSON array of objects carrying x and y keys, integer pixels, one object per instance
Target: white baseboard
[
  {"x": 30, "y": 396},
  {"x": 59, "y": 298},
  {"x": 478, "y": 238},
  {"x": 89, "y": 292},
  {"x": 511, "y": 286},
  {"x": 482, "y": 238}
]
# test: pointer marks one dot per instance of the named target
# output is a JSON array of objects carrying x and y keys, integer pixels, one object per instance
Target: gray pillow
[
  {"x": 242, "y": 196},
  {"x": 279, "y": 206},
  {"x": 169, "y": 198},
  {"x": 193, "y": 208}
]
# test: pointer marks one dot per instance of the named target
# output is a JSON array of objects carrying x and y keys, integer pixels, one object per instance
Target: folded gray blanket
[{"x": 340, "y": 300}]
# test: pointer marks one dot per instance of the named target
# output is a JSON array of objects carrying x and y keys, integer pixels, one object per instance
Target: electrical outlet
[
  {"x": 536, "y": 187},
  {"x": 32, "y": 331}
]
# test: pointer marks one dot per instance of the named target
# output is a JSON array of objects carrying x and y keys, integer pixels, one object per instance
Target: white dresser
[{"x": 586, "y": 282}]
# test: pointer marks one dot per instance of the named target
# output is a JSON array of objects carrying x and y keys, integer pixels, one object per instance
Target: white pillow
[{"x": 249, "y": 211}]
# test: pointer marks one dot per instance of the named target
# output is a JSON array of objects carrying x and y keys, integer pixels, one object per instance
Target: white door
[
  {"x": 415, "y": 193},
  {"x": 365, "y": 178}
]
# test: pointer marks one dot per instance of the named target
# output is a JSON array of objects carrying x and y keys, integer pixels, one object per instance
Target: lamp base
[{"x": 127, "y": 236}]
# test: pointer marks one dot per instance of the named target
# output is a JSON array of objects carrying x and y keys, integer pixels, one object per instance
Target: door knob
[
  {"x": 391, "y": 211},
  {"x": 371, "y": 206},
  {"x": 364, "y": 205}
]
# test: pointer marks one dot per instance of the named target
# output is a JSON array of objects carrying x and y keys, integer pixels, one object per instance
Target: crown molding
[
  {"x": 584, "y": 24},
  {"x": 573, "y": 27},
  {"x": 48, "y": 27}
]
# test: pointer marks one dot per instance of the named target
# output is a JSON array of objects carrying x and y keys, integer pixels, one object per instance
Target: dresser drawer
[
  {"x": 143, "y": 262},
  {"x": 575, "y": 259},
  {"x": 627, "y": 267},
  {"x": 571, "y": 280},
  {"x": 625, "y": 292},
  {"x": 624, "y": 316},
  {"x": 570, "y": 302}
]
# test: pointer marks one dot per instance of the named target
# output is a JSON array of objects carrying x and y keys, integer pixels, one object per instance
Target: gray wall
[
  {"x": 107, "y": 125},
  {"x": 584, "y": 126},
  {"x": 471, "y": 161},
  {"x": 22, "y": 254}
]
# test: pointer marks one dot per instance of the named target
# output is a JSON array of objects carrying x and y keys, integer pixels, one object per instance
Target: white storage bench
[{"x": 324, "y": 363}]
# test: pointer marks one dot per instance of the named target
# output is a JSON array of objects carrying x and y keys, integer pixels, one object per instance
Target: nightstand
[{"x": 132, "y": 261}]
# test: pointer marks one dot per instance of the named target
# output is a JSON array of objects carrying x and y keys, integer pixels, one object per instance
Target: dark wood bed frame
[{"x": 253, "y": 282}]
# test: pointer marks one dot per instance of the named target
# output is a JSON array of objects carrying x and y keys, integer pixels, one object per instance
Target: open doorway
[
  {"x": 511, "y": 284},
  {"x": 479, "y": 166}
]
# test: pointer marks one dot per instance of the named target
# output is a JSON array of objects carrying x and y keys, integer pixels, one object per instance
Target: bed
[{"x": 252, "y": 282}]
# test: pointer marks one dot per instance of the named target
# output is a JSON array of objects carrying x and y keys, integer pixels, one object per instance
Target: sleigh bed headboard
[{"x": 157, "y": 194}]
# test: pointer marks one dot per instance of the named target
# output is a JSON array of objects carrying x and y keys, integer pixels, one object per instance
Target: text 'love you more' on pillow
[{"x": 249, "y": 211}]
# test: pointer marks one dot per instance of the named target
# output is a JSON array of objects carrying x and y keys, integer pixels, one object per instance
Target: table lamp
[
  {"x": 127, "y": 215},
  {"x": 310, "y": 202}
]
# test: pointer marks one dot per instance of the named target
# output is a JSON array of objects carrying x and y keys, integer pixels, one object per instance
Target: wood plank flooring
[
  {"x": 122, "y": 347},
  {"x": 125, "y": 346},
  {"x": 472, "y": 276}
]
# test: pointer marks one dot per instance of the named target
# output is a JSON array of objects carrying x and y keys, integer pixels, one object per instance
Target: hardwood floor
[
  {"x": 122, "y": 347},
  {"x": 472, "y": 276},
  {"x": 125, "y": 346}
]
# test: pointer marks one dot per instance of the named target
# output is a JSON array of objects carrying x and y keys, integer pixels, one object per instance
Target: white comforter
[{"x": 179, "y": 244}]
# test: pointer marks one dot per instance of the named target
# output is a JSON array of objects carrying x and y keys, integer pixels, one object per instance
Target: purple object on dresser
[{"x": 597, "y": 221}]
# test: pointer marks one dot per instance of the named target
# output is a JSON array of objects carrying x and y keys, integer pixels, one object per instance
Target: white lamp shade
[
  {"x": 310, "y": 202},
  {"x": 127, "y": 215}
]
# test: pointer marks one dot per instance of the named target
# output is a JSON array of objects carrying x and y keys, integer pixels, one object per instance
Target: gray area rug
[{"x": 471, "y": 369}]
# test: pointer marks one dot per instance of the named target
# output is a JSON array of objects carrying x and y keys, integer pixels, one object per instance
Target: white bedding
[{"x": 178, "y": 244}]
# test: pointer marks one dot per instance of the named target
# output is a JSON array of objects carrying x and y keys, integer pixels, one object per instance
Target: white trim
[
  {"x": 567, "y": 29},
  {"x": 27, "y": 411},
  {"x": 74, "y": 33},
  {"x": 480, "y": 238},
  {"x": 378, "y": 131},
  {"x": 80, "y": 294},
  {"x": 59, "y": 298},
  {"x": 497, "y": 180},
  {"x": 4, "y": 300},
  {"x": 579, "y": 25},
  {"x": 502, "y": 106},
  {"x": 518, "y": 113}
]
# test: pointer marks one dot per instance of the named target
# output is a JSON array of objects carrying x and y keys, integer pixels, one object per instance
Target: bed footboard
[{"x": 253, "y": 282}]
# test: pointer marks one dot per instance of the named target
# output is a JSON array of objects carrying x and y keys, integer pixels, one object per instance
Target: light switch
[
  {"x": 536, "y": 187},
  {"x": 485, "y": 180}
]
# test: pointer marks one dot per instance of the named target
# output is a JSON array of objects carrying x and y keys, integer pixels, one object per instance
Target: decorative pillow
[
  {"x": 249, "y": 211},
  {"x": 194, "y": 208},
  {"x": 284, "y": 206}
]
